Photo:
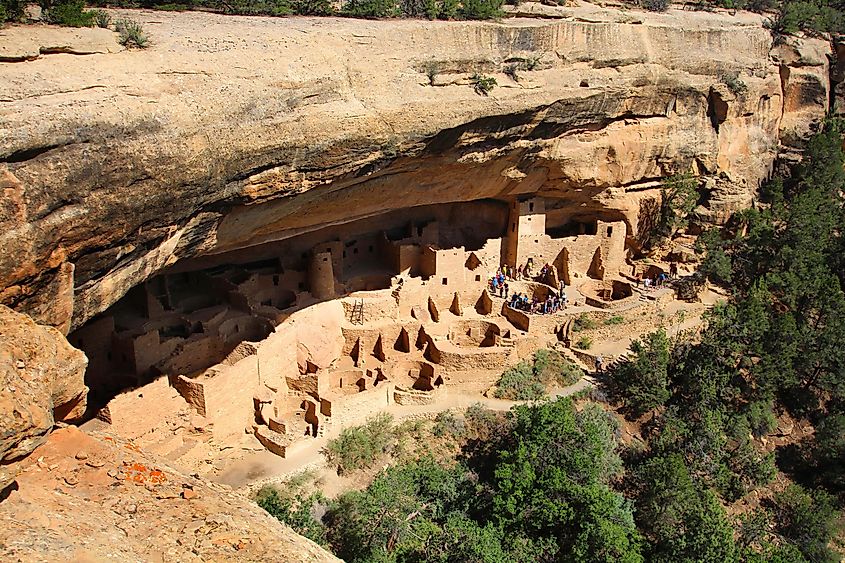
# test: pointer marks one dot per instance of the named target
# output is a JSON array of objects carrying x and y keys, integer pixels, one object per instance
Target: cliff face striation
[{"x": 230, "y": 132}]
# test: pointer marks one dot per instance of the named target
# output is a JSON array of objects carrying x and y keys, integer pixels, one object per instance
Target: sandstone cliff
[
  {"x": 97, "y": 498},
  {"x": 234, "y": 131}
]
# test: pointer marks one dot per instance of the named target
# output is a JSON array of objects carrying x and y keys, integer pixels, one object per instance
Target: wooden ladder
[{"x": 358, "y": 312}]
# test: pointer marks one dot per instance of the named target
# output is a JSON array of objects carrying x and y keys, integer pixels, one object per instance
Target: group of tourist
[
  {"x": 551, "y": 304},
  {"x": 658, "y": 280},
  {"x": 519, "y": 273},
  {"x": 499, "y": 286}
]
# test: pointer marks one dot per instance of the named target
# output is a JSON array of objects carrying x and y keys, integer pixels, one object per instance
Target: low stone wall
[
  {"x": 354, "y": 408},
  {"x": 517, "y": 318},
  {"x": 272, "y": 440},
  {"x": 192, "y": 391},
  {"x": 405, "y": 396},
  {"x": 587, "y": 358},
  {"x": 450, "y": 357}
]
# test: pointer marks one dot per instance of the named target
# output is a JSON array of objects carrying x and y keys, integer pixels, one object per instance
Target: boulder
[{"x": 41, "y": 381}]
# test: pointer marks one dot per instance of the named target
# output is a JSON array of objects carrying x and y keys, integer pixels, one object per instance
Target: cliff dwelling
[{"x": 288, "y": 338}]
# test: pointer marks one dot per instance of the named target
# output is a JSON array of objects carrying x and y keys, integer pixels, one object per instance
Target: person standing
[{"x": 599, "y": 364}]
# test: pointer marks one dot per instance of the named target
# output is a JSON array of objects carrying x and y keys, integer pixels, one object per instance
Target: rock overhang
[{"x": 232, "y": 132}]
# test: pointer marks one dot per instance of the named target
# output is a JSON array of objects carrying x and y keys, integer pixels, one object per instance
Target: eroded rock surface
[
  {"x": 26, "y": 43},
  {"x": 230, "y": 132},
  {"x": 41, "y": 380},
  {"x": 96, "y": 498}
]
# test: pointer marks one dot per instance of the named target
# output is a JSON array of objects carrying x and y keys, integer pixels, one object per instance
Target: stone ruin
[{"x": 288, "y": 339}]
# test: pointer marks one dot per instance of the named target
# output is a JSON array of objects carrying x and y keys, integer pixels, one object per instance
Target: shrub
[
  {"x": 446, "y": 423},
  {"x": 432, "y": 69},
  {"x": 614, "y": 320},
  {"x": 655, "y": 5},
  {"x": 811, "y": 16},
  {"x": 259, "y": 7},
  {"x": 360, "y": 446},
  {"x": 413, "y": 8},
  {"x": 70, "y": 13},
  {"x": 102, "y": 18},
  {"x": 552, "y": 366},
  {"x": 519, "y": 384},
  {"x": 761, "y": 418},
  {"x": 448, "y": 9},
  {"x": 807, "y": 520},
  {"x": 370, "y": 8},
  {"x": 734, "y": 83},
  {"x": 483, "y": 85},
  {"x": 531, "y": 63},
  {"x": 583, "y": 322},
  {"x": 512, "y": 70},
  {"x": 481, "y": 9},
  {"x": 11, "y": 10},
  {"x": 484, "y": 424},
  {"x": 295, "y": 510},
  {"x": 585, "y": 343},
  {"x": 131, "y": 34},
  {"x": 312, "y": 7},
  {"x": 527, "y": 381}
]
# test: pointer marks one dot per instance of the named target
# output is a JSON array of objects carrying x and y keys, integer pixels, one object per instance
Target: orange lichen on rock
[{"x": 140, "y": 474}]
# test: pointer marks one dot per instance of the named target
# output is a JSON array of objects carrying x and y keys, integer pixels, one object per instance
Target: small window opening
[
  {"x": 531, "y": 206},
  {"x": 445, "y": 281}
]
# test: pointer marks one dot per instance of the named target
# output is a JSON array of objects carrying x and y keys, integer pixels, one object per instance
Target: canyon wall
[{"x": 231, "y": 132}]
